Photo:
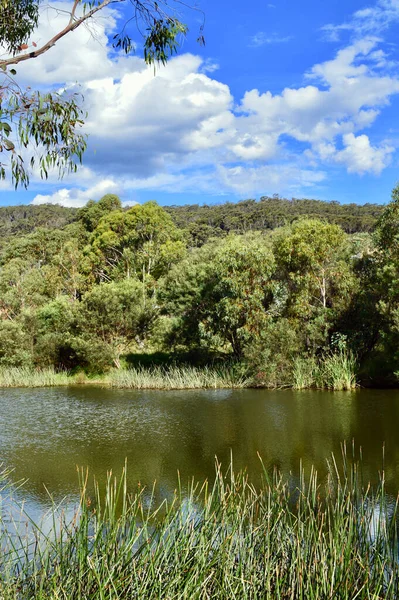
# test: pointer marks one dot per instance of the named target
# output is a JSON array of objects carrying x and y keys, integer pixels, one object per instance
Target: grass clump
[
  {"x": 178, "y": 378},
  {"x": 305, "y": 373},
  {"x": 334, "y": 371},
  {"x": 338, "y": 371},
  {"x": 26, "y": 377},
  {"x": 226, "y": 540}
]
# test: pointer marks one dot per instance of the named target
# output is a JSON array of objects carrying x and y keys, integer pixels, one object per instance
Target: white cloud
[
  {"x": 181, "y": 130},
  {"x": 361, "y": 157},
  {"x": 262, "y": 39},
  {"x": 371, "y": 20},
  {"x": 80, "y": 56},
  {"x": 77, "y": 197}
]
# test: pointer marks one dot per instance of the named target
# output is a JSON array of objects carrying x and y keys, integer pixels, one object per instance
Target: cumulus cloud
[
  {"x": 80, "y": 56},
  {"x": 347, "y": 96},
  {"x": 360, "y": 157},
  {"x": 77, "y": 197},
  {"x": 183, "y": 131}
]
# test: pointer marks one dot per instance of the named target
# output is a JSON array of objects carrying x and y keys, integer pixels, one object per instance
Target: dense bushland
[{"x": 304, "y": 305}]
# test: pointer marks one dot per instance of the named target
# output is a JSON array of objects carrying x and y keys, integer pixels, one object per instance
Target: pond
[{"x": 45, "y": 434}]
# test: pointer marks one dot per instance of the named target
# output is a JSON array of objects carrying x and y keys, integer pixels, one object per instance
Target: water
[{"x": 45, "y": 434}]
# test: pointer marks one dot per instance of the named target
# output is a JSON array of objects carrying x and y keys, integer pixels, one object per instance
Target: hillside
[{"x": 205, "y": 221}]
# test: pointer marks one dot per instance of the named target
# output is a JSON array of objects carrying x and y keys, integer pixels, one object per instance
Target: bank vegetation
[
  {"x": 227, "y": 539},
  {"x": 147, "y": 297}
]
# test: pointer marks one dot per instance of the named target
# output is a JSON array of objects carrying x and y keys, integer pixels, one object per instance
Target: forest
[{"x": 298, "y": 293}]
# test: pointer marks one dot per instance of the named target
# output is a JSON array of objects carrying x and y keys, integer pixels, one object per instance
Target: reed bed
[
  {"x": 26, "y": 377},
  {"x": 226, "y": 540},
  {"x": 178, "y": 378},
  {"x": 334, "y": 371}
]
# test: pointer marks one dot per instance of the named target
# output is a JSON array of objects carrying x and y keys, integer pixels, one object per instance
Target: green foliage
[
  {"x": 223, "y": 294},
  {"x": 120, "y": 282},
  {"x": 204, "y": 222},
  {"x": 282, "y": 538},
  {"x": 141, "y": 242},
  {"x": 23, "y": 219},
  {"x": 18, "y": 19},
  {"x": 56, "y": 329},
  {"x": 92, "y": 212},
  {"x": 15, "y": 345},
  {"x": 162, "y": 40},
  {"x": 48, "y": 121},
  {"x": 112, "y": 316}
]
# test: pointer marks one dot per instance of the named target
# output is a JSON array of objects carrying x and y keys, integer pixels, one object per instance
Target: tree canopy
[{"x": 95, "y": 287}]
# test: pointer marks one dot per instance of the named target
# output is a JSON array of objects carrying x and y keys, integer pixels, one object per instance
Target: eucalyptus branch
[{"x": 72, "y": 25}]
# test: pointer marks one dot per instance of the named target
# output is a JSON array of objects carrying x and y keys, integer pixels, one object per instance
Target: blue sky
[{"x": 299, "y": 99}]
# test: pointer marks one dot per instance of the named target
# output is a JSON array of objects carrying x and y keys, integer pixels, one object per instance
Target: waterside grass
[
  {"x": 26, "y": 377},
  {"x": 333, "y": 372},
  {"x": 226, "y": 540},
  {"x": 178, "y": 378}
]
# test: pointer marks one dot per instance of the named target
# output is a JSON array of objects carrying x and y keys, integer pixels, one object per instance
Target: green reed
[
  {"x": 223, "y": 540},
  {"x": 27, "y": 377},
  {"x": 178, "y": 378},
  {"x": 334, "y": 371}
]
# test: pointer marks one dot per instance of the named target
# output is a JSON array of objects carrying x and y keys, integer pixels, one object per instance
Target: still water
[{"x": 45, "y": 434}]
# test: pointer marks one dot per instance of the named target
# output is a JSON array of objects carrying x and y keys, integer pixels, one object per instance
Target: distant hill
[
  {"x": 269, "y": 213},
  {"x": 24, "y": 219},
  {"x": 204, "y": 221}
]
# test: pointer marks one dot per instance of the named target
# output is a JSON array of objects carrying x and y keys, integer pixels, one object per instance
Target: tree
[
  {"x": 50, "y": 122},
  {"x": 92, "y": 212},
  {"x": 112, "y": 317},
  {"x": 378, "y": 302},
  {"x": 138, "y": 242},
  {"x": 313, "y": 264},
  {"x": 222, "y": 293}
]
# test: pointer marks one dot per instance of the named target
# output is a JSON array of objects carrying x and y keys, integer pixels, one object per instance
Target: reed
[
  {"x": 225, "y": 540},
  {"x": 334, "y": 371},
  {"x": 178, "y": 378},
  {"x": 338, "y": 371},
  {"x": 26, "y": 377},
  {"x": 305, "y": 373}
]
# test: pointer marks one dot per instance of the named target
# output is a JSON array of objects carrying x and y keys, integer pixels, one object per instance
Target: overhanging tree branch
[
  {"x": 72, "y": 25},
  {"x": 48, "y": 123}
]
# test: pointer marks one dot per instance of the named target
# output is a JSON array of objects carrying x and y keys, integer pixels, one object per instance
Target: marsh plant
[
  {"x": 229, "y": 539},
  {"x": 179, "y": 378},
  {"x": 334, "y": 371},
  {"x": 28, "y": 377}
]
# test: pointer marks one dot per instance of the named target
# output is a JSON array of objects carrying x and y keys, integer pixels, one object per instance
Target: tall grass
[
  {"x": 338, "y": 371},
  {"x": 26, "y": 377},
  {"x": 227, "y": 540},
  {"x": 305, "y": 373},
  {"x": 334, "y": 371},
  {"x": 178, "y": 378}
]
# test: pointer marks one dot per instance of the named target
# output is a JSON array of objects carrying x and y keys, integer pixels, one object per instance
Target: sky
[{"x": 299, "y": 99}]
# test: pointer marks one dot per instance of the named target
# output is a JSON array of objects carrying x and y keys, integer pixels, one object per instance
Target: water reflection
[{"x": 45, "y": 434}]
